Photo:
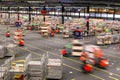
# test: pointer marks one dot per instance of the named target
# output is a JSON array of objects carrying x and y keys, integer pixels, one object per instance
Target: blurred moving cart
[
  {"x": 4, "y": 68},
  {"x": 93, "y": 56},
  {"x": 36, "y": 69},
  {"x": 54, "y": 68}
]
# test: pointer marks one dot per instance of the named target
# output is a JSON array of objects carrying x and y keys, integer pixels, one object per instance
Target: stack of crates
[
  {"x": 44, "y": 31},
  {"x": 77, "y": 48},
  {"x": 100, "y": 40},
  {"x": 18, "y": 34},
  {"x": 107, "y": 39}
]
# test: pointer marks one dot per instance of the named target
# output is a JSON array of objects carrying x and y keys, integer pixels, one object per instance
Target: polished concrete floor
[{"x": 38, "y": 45}]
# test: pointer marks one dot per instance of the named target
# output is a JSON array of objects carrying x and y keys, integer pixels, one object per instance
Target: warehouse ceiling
[{"x": 81, "y": 3}]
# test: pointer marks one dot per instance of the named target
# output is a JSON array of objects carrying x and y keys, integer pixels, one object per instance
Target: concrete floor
[{"x": 37, "y": 45}]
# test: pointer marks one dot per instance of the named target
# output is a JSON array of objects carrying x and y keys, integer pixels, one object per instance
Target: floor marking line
[
  {"x": 113, "y": 78},
  {"x": 81, "y": 71}
]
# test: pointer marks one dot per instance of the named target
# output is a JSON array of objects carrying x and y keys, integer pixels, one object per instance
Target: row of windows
[
  {"x": 66, "y": 9},
  {"x": 91, "y": 15}
]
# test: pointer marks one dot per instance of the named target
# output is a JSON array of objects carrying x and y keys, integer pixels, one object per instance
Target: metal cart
[
  {"x": 4, "y": 68},
  {"x": 18, "y": 69},
  {"x": 36, "y": 69},
  {"x": 54, "y": 68},
  {"x": 8, "y": 48},
  {"x": 115, "y": 38},
  {"x": 100, "y": 40}
]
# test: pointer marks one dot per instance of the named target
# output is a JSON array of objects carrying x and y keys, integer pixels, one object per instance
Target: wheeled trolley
[
  {"x": 54, "y": 68},
  {"x": 36, "y": 69},
  {"x": 5, "y": 65},
  {"x": 18, "y": 69}
]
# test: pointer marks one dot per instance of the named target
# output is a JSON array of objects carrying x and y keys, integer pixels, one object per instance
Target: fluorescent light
[{"x": 36, "y": 1}]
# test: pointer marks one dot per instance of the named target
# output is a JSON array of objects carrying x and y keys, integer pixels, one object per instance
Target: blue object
[
  {"x": 77, "y": 34},
  {"x": 18, "y": 24}
]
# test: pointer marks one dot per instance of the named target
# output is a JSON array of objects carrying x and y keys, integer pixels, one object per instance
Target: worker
[
  {"x": 57, "y": 30},
  {"x": 100, "y": 60},
  {"x": 83, "y": 57},
  {"x": 52, "y": 34},
  {"x": 31, "y": 28},
  {"x": 87, "y": 67},
  {"x": 64, "y": 52},
  {"x": 21, "y": 42},
  {"x": 98, "y": 55},
  {"x": 20, "y": 36},
  {"x": 8, "y": 34},
  {"x": 17, "y": 32}
]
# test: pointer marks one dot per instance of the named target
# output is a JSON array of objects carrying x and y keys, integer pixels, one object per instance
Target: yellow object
[
  {"x": 17, "y": 76},
  {"x": 19, "y": 61}
]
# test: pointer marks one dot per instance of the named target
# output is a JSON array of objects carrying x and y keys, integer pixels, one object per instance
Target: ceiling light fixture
[{"x": 36, "y": 1}]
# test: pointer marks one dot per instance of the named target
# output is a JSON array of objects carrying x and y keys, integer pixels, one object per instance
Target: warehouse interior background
[{"x": 59, "y": 39}]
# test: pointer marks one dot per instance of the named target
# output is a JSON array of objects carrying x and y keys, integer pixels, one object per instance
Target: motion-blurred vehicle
[
  {"x": 90, "y": 56},
  {"x": 93, "y": 56}
]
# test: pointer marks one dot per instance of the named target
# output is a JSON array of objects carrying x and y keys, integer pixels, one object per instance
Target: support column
[
  {"x": 1, "y": 11},
  {"x": 87, "y": 20},
  {"x": 114, "y": 14},
  {"x": 29, "y": 13},
  {"x": 79, "y": 14},
  {"x": 18, "y": 15},
  {"x": 8, "y": 13},
  {"x": 44, "y": 9},
  {"x": 62, "y": 14},
  {"x": 44, "y": 18}
]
